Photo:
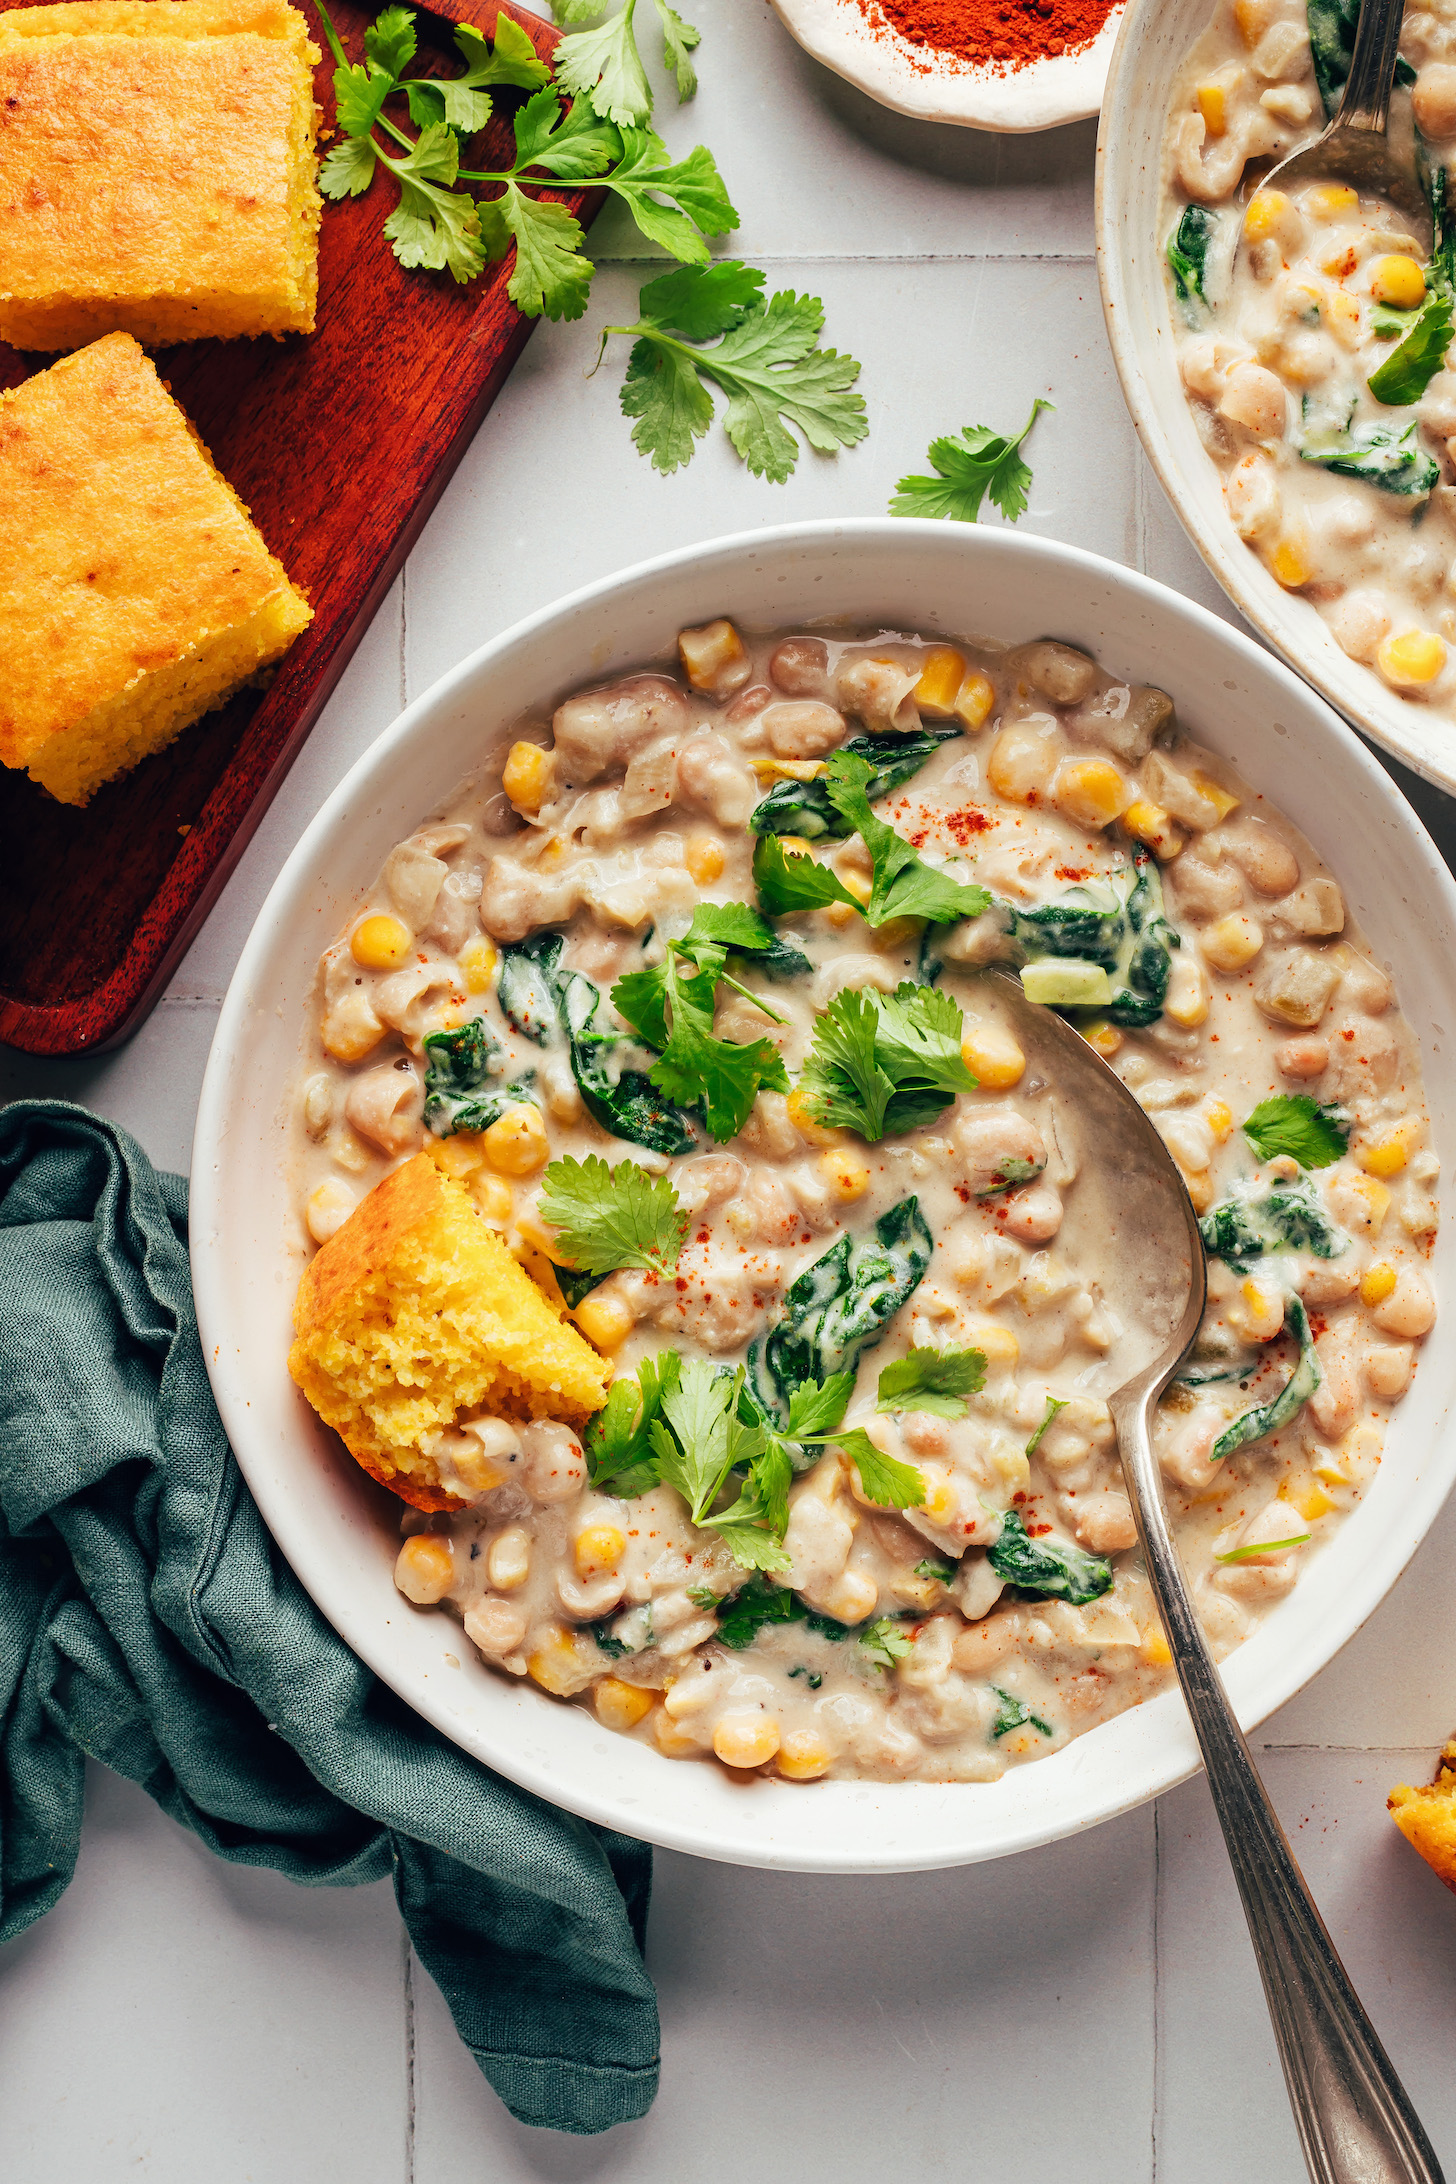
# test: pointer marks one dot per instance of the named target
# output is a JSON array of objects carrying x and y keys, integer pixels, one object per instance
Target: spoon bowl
[{"x": 1355, "y": 148}]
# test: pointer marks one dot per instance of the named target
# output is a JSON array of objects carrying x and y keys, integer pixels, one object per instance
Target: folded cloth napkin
[{"x": 147, "y": 1619}]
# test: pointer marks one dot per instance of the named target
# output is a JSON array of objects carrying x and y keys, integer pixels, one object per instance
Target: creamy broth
[
  {"x": 1303, "y": 298},
  {"x": 899, "y": 1649}
]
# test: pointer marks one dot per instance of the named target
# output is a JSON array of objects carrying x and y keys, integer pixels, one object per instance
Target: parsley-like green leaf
[
  {"x": 1294, "y": 1124},
  {"x": 613, "y": 1217},
  {"x": 788, "y": 883},
  {"x": 678, "y": 41},
  {"x": 513, "y": 60},
  {"x": 938, "y": 1567},
  {"x": 349, "y": 168},
  {"x": 390, "y": 41},
  {"x": 695, "y": 1456},
  {"x": 1013, "y": 1712},
  {"x": 432, "y": 225},
  {"x": 1053, "y": 1405},
  {"x": 1410, "y": 368},
  {"x": 817, "y": 1406},
  {"x": 977, "y": 462},
  {"x": 882, "y": 1063},
  {"x": 887, "y": 1641},
  {"x": 550, "y": 279},
  {"x": 571, "y": 143},
  {"x": 692, "y": 185},
  {"x": 904, "y": 885},
  {"x": 604, "y": 67},
  {"x": 884, "y": 1478},
  {"x": 699, "y": 304},
  {"x": 618, "y": 1440},
  {"x": 939, "y": 1381},
  {"x": 759, "y": 1603},
  {"x": 671, "y": 1007},
  {"x": 359, "y": 96}
]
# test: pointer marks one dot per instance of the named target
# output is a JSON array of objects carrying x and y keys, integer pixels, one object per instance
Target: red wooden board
[{"x": 340, "y": 443}]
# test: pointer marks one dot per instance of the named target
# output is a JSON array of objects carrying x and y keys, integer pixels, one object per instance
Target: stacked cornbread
[
  {"x": 413, "y": 1315},
  {"x": 157, "y": 164},
  {"x": 156, "y": 171}
]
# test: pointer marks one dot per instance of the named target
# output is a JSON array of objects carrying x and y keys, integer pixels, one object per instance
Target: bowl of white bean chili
[
  {"x": 911, "y": 1628},
  {"x": 1282, "y": 353}
]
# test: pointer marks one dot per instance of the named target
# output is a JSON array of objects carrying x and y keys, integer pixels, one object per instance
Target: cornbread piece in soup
[
  {"x": 415, "y": 1312},
  {"x": 135, "y": 593},
  {"x": 157, "y": 171}
]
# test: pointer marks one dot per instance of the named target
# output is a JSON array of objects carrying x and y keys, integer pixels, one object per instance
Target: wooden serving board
[{"x": 340, "y": 443}]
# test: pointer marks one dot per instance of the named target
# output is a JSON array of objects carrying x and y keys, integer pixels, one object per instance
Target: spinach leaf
[
  {"x": 457, "y": 1066},
  {"x": 1188, "y": 248},
  {"x": 1409, "y": 369},
  {"x": 1302, "y": 1383},
  {"x": 1331, "y": 44},
  {"x": 803, "y": 807},
  {"x": 1011, "y": 1714},
  {"x": 1382, "y": 455},
  {"x": 760, "y": 1602},
  {"x": 1285, "y": 1217},
  {"x": 1053, "y": 1567},
  {"x": 621, "y": 1097},
  {"x": 841, "y": 1306},
  {"x": 526, "y": 987},
  {"x": 1118, "y": 922}
]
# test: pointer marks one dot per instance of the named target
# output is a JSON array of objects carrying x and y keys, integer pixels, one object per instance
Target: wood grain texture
[{"x": 340, "y": 443}]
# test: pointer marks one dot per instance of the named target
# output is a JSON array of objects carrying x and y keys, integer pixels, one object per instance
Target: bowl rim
[
  {"x": 1172, "y": 1756},
  {"x": 1344, "y": 684},
  {"x": 1044, "y": 94}
]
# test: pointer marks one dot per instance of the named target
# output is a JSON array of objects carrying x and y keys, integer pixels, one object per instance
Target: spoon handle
[
  {"x": 1372, "y": 66},
  {"x": 1355, "y": 2120}
]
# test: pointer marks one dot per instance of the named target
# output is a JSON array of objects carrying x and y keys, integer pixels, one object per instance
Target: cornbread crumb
[
  {"x": 135, "y": 593},
  {"x": 414, "y": 1314},
  {"x": 1426, "y": 1817},
  {"x": 157, "y": 171}
]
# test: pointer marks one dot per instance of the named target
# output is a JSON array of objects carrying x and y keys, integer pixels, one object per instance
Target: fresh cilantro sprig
[
  {"x": 815, "y": 1411},
  {"x": 1414, "y": 362},
  {"x": 707, "y": 1443},
  {"x": 903, "y": 884},
  {"x": 618, "y": 1440},
  {"x": 608, "y": 1218},
  {"x": 969, "y": 465},
  {"x": 439, "y": 226},
  {"x": 1292, "y": 1123},
  {"x": 939, "y": 1381},
  {"x": 671, "y": 1007},
  {"x": 885, "y": 1062},
  {"x": 605, "y": 66},
  {"x": 767, "y": 362}
]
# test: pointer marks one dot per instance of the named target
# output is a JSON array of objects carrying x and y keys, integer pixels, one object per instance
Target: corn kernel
[
  {"x": 794, "y": 845},
  {"x": 1213, "y": 105},
  {"x": 856, "y": 883},
  {"x": 1199, "y": 1186},
  {"x": 1231, "y": 942},
  {"x": 493, "y": 1195},
  {"x": 554, "y": 851},
  {"x": 713, "y": 657},
  {"x": 847, "y": 1177},
  {"x": 1220, "y": 798},
  {"x": 1311, "y": 1502},
  {"x": 508, "y": 1563},
  {"x": 425, "y": 1570},
  {"x": 1258, "y": 1311},
  {"x": 1264, "y": 214},
  {"x": 746, "y": 1740},
  {"x": 606, "y": 1321},
  {"x": 1398, "y": 281},
  {"x": 1103, "y": 1037},
  {"x": 1253, "y": 18},
  {"x": 1219, "y": 1117},
  {"x": 556, "y": 1664},
  {"x": 1290, "y": 563},
  {"x": 801, "y": 1115},
  {"x": 1090, "y": 791},
  {"x": 516, "y": 1144},
  {"x": 1342, "y": 316},
  {"x": 672, "y": 1742},
  {"x": 1330, "y": 200},
  {"x": 380, "y": 943},
  {"x": 348, "y": 1034},
  {"x": 1185, "y": 1002},
  {"x": 839, "y": 915},
  {"x": 853, "y": 1596},
  {"x": 1385, "y": 1155},
  {"x": 802, "y": 1756},
  {"x": 975, "y": 700},
  {"x": 1377, "y": 1283},
  {"x": 993, "y": 1057},
  {"x": 527, "y": 777},
  {"x": 1412, "y": 659},
  {"x": 770, "y": 770},
  {"x": 621, "y": 1705},
  {"x": 1329, "y": 1472},
  {"x": 599, "y": 1547},
  {"x": 940, "y": 682},
  {"x": 1376, "y": 1197},
  {"x": 895, "y": 936},
  {"x": 1155, "y": 1648},
  {"x": 1154, "y": 828},
  {"x": 478, "y": 961},
  {"x": 996, "y": 1344},
  {"x": 329, "y": 1207},
  {"x": 704, "y": 858}
]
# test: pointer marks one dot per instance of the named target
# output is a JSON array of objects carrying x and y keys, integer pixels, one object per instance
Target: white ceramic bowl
[
  {"x": 339, "y": 1531},
  {"x": 915, "y": 80},
  {"x": 1131, "y": 232}
]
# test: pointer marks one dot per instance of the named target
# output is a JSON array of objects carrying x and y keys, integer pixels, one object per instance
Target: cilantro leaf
[
  {"x": 671, "y": 1008},
  {"x": 1053, "y": 1405},
  {"x": 604, "y": 67},
  {"x": 816, "y": 1407},
  {"x": 613, "y": 1217},
  {"x": 693, "y": 186},
  {"x": 788, "y": 883},
  {"x": 678, "y": 41},
  {"x": 432, "y": 225},
  {"x": 570, "y": 143},
  {"x": 938, "y": 1381},
  {"x": 390, "y": 41},
  {"x": 695, "y": 1456},
  {"x": 349, "y": 168},
  {"x": 886, "y": 1641},
  {"x": 698, "y": 305},
  {"x": 759, "y": 1604},
  {"x": 550, "y": 278},
  {"x": 618, "y": 1439},
  {"x": 904, "y": 885},
  {"x": 882, "y": 1063},
  {"x": 513, "y": 60},
  {"x": 884, "y": 1478},
  {"x": 967, "y": 468},
  {"x": 359, "y": 96},
  {"x": 1409, "y": 369},
  {"x": 1294, "y": 1124},
  {"x": 1013, "y": 1712}
]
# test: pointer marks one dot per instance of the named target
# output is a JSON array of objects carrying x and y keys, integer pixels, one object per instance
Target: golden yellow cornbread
[
  {"x": 157, "y": 171},
  {"x": 135, "y": 593},
  {"x": 1426, "y": 1817},
  {"x": 414, "y": 1314}
]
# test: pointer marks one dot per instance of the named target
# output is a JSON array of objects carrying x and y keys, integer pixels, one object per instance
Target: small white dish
[
  {"x": 340, "y": 1531},
  {"x": 1153, "y": 44},
  {"x": 916, "y": 80}
]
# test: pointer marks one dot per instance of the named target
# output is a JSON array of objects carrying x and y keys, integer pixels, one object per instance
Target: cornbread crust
[
  {"x": 135, "y": 592},
  {"x": 157, "y": 171},
  {"x": 413, "y": 1314},
  {"x": 1426, "y": 1817}
]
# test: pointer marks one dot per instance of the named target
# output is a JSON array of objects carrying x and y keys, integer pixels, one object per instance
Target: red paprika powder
[{"x": 992, "y": 33}]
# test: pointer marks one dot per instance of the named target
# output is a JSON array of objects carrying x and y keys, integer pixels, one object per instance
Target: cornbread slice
[
  {"x": 135, "y": 593},
  {"x": 413, "y": 1314},
  {"x": 157, "y": 171},
  {"x": 1426, "y": 1817}
]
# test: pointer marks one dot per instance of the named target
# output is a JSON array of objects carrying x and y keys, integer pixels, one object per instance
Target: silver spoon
[
  {"x": 1355, "y": 2121},
  {"x": 1354, "y": 147}
]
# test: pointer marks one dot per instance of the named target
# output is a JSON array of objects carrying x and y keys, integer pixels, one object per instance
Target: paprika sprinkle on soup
[{"x": 1002, "y": 34}]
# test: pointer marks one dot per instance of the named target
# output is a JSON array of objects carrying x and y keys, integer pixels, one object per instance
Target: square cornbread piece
[
  {"x": 135, "y": 593},
  {"x": 157, "y": 171},
  {"x": 414, "y": 1314}
]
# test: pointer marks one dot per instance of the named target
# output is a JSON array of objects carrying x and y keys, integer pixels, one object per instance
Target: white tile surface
[{"x": 178, "y": 2019}]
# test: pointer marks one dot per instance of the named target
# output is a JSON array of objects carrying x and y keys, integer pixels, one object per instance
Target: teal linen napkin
[{"x": 148, "y": 1620}]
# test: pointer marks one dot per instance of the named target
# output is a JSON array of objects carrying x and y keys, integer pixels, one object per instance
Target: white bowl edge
[{"x": 337, "y": 1530}]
